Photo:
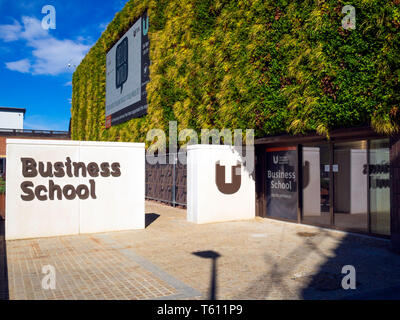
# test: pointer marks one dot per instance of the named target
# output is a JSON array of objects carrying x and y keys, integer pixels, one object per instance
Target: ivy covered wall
[{"x": 274, "y": 65}]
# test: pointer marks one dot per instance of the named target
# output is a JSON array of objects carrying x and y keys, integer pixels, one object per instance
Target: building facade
[
  {"x": 349, "y": 182},
  {"x": 280, "y": 69},
  {"x": 12, "y": 118},
  {"x": 12, "y": 127}
]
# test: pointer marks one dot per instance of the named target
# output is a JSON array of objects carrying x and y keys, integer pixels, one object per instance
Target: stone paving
[
  {"x": 3, "y": 265},
  {"x": 172, "y": 259}
]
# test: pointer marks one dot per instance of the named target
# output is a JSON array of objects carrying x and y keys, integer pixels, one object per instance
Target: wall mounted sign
[
  {"x": 60, "y": 169},
  {"x": 57, "y": 187},
  {"x": 220, "y": 179},
  {"x": 127, "y": 74},
  {"x": 281, "y": 178}
]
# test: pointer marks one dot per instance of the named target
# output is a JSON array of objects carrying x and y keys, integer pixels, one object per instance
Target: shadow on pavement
[
  {"x": 377, "y": 270},
  {"x": 150, "y": 218},
  {"x": 214, "y": 256},
  {"x": 3, "y": 264}
]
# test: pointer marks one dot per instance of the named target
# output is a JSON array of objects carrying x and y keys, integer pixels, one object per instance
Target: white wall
[
  {"x": 11, "y": 120},
  {"x": 119, "y": 203},
  {"x": 205, "y": 203}
]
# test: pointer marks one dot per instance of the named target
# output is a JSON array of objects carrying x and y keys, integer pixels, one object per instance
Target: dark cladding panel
[{"x": 281, "y": 183}]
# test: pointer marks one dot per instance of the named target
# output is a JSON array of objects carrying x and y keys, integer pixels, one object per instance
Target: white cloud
[
  {"x": 23, "y": 65},
  {"x": 67, "y": 84},
  {"x": 10, "y": 32},
  {"x": 51, "y": 56},
  {"x": 33, "y": 29}
]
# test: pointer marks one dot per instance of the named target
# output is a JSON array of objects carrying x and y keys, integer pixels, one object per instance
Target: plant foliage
[
  {"x": 274, "y": 66},
  {"x": 2, "y": 186}
]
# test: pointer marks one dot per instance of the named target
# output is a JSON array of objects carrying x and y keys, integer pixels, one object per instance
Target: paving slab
[{"x": 175, "y": 259}]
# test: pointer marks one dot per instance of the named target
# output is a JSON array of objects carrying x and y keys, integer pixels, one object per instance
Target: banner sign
[
  {"x": 282, "y": 183},
  {"x": 127, "y": 74}
]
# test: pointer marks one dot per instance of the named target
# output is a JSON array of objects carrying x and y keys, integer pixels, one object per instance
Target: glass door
[
  {"x": 350, "y": 179},
  {"x": 316, "y": 184},
  {"x": 347, "y": 185}
]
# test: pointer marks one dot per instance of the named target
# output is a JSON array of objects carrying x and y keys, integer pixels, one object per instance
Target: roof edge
[{"x": 12, "y": 109}]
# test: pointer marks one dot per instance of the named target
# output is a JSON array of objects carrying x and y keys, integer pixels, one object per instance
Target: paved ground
[
  {"x": 3, "y": 265},
  {"x": 173, "y": 259}
]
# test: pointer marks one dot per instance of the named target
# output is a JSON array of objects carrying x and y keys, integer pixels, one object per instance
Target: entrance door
[
  {"x": 347, "y": 185},
  {"x": 350, "y": 179},
  {"x": 316, "y": 184}
]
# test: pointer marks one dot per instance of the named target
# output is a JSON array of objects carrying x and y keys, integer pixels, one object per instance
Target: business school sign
[
  {"x": 68, "y": 169},
  {"x": 70, "y": 187},
  {"x": 127, "y": 74},
  {"x": 282, "y": 182}
]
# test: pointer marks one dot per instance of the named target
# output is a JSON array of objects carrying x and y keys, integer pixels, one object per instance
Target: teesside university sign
[
  {"x": 69, "y": 187},
  {"x": 67, "y": 169}
]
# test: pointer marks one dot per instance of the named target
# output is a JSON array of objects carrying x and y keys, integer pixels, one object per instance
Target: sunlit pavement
[{"x": 173, "y": 259}]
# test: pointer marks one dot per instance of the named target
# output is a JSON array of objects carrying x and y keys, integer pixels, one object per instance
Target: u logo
[
  {"x": 227, "y": 188},
  {"x": 275, "y": 159}
]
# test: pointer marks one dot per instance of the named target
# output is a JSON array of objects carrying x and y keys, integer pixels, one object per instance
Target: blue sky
[{"x": 34, "y": 62}]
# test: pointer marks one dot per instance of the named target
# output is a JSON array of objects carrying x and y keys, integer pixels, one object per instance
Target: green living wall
[{"x": 274, "y": 66}]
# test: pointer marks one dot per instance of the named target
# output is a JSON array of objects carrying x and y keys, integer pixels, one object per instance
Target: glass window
[
  {"x": 379, "y": 186},
  {"x": 2, "y": 166}
]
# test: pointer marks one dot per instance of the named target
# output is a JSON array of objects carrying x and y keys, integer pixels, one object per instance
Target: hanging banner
[
  {"x": 127, "y": 74},
  {"x": 282, "y": 183}
]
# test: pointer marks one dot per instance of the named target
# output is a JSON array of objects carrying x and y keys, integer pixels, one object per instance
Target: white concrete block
[
  {"x": 205, "y": 201},
  {"x": 107, "y": 202}
]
